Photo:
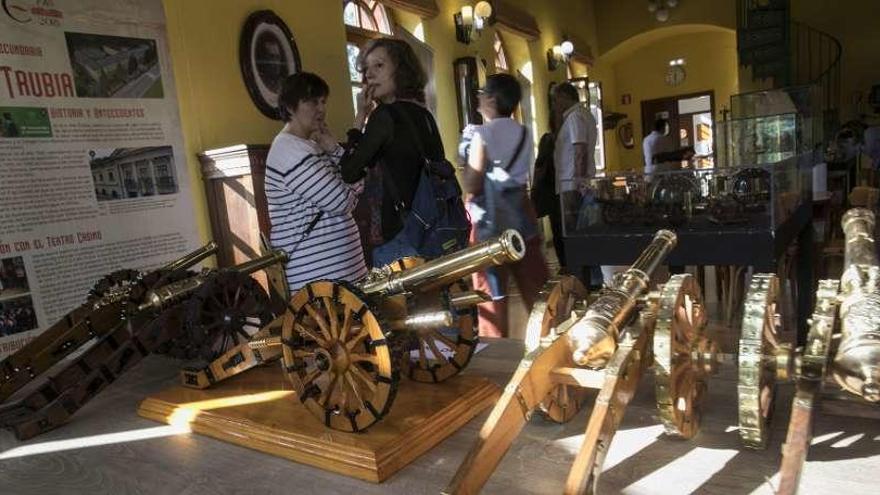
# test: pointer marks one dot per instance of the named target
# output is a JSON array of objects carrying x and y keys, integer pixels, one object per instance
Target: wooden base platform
[{"x": 259, "y": 410}]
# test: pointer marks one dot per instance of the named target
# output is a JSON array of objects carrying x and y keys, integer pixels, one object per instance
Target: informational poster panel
[{"x": 92, "y": 172}]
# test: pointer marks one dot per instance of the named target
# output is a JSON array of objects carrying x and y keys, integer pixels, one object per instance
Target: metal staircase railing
[{"x": 792, "y": 55}]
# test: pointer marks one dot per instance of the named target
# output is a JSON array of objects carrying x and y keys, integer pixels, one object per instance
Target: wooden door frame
[{"x": 685, "y": 96}]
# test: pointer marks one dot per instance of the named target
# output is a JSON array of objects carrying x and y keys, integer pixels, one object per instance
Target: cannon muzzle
[
  {"x": 166, "y": 295},
  {"x": 192, "y": 258},
  {"x": 442, "y": 271},
  {"x": 593, "y": 338}
]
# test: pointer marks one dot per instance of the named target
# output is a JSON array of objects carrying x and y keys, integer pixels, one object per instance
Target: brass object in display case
[
  {"x": 344, "y": 345},
  {"x": 616, "y": 334}
]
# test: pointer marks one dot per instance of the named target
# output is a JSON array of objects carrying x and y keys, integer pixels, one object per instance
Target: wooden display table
[{"x": 259, "y": 410}]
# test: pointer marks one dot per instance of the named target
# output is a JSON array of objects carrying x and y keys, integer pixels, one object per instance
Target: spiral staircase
[{"x": 789, "y": 54}]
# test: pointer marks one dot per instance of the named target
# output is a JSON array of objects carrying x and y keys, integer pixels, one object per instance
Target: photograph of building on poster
[
  {"x": 122, "y": 173},
  {"x": 13, "y": 277},
  {"x": 114, "y": 67},
  {"x": 16, "y": 306}
]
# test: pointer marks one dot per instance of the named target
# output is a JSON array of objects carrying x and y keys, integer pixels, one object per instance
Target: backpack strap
[
  {"x": 519, "y": 148},
  {"x": 399, "y": 205}
]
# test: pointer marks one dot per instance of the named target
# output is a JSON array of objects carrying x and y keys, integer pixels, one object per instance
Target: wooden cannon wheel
[
  {"x": 337, "y": 357},
  {"x": 554, "y": 305},
  {"x": 810, "y": 375},
  {"x": 225, "y": 312},
  {"x": 423, "y": 359},
  {"x": 762, "y": 359},
  {"x": 682, "y": 356}
]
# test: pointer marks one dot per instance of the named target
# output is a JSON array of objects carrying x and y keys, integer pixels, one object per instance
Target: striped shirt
[{"x": 302, "y": 182}]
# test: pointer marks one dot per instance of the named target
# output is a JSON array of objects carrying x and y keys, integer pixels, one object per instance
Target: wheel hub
[{"x": 336, "y": 358}]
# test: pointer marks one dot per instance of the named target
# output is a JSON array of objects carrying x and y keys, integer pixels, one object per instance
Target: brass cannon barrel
[
  {"x": 168, "y": 294},
  {"x": 593, "y": 338},
  {"x": 192, "y": 258},
  {"x": 857, "y": 362},
  {"x": 506, "y": 248}
]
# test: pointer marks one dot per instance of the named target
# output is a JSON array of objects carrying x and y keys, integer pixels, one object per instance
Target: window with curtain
[{"x": 364, "y": 20}]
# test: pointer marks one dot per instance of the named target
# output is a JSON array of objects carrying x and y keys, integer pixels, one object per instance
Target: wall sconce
[
  {"x": 559, "y": 54},
  {"x": 471, "y": 21}
]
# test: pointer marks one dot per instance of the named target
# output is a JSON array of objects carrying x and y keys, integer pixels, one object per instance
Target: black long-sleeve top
[{"x": 391, "y": 139}]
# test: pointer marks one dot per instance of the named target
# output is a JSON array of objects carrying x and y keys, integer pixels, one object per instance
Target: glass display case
[
  {"x": 760, "y": 196},
  {"x": 763, "y": 139}
]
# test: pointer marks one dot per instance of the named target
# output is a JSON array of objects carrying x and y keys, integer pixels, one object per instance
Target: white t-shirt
[
  {"x": 578, "y": 126},
  {"x": 650, "y": 147},
  {"x": 501, "y": 138}
]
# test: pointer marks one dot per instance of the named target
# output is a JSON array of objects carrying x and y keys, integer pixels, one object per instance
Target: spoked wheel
[
  {"x": 337, "y": 357},
  {"x": 809, "y": 376},
  {"x": 762, "y": 360},
  {"x": 431, "y": 355},
  {"x": 224, "y": 313},
  {"x": 554, "y": 305},
  {"x": 682, "y": 356}
]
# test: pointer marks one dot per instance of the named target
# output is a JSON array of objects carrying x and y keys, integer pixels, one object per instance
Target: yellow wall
[
  {"x": 620, "y": 20},
  {"x": 853, "y": 23},
  {"x": 216, "y": 110},
  {"x": 711, "y": 65}
]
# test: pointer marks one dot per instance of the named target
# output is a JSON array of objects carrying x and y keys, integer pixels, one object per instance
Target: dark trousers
[{"x": 565, "y": 209}]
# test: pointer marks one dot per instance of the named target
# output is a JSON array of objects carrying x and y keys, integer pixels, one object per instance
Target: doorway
[{"x": 691, "y": 124}]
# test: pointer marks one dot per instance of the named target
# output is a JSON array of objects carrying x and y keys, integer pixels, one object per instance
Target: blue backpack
[{"x": 436, "y": 223}]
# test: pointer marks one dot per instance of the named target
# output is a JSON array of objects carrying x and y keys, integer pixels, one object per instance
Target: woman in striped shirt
[{"x": 309, "y": 204}]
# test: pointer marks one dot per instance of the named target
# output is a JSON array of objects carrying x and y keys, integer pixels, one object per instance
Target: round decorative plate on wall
[
  {"x": 675, "y": 75},
  {"x": 267, "y": 54}
]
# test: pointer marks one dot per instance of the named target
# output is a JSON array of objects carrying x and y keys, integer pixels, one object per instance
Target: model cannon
[
  {"x": 855, "y": 363},
  {"x": 344, "y": 346},
  {"x": 572, "y": 346},
  {"x": 130, "y": 318}
]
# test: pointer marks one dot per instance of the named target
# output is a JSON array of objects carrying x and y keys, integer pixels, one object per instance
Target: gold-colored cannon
[
  {"x": 850, "y": 353},
  {"x": 127, "y": 316},
  {"x": 573, "y": 346},
  {"x": 344, "y": 345}
]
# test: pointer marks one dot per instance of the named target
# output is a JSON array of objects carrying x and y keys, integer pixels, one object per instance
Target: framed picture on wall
[
  {"x": 267, "y": 54},
  {"x": 466, "y": 84}
]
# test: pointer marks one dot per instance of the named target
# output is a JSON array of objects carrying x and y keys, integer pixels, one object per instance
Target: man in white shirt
[
  {"x": 652, "y": 144},
  {"x": 573, "y": 156}
]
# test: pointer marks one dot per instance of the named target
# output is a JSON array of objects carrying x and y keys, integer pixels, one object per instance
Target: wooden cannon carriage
[
  {"x": 842, "y": 345},
  {"x": 574, "y": 346},
  {"x": 344, "y": 346},
  {"x": 128, "y": 315}
]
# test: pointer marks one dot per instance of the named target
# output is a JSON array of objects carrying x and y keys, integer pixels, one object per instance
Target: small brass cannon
[
  {"x": 573, "y": 345},
  {"x": 848, "y": 309},
  {"x": 344, "y": 345},
  {"x": 127, "y": 316}
]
